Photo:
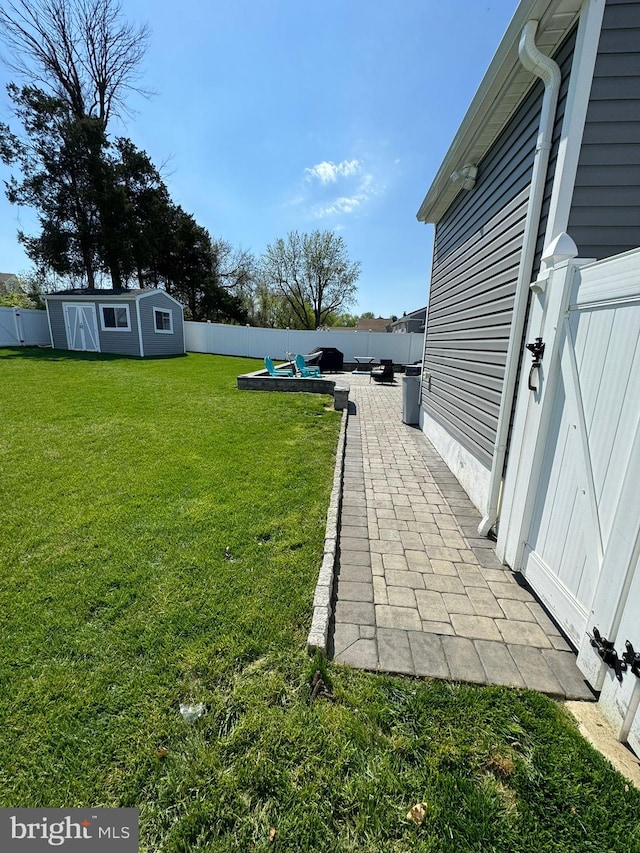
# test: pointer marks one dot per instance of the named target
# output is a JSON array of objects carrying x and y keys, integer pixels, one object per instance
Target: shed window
[
  {"x": 115, "y": 318},
  {"x": 163, "y": 321}
]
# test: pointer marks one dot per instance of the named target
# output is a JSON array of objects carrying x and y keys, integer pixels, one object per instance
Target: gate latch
[
  {"x": 608, "y": 654},
  {"x": 632, "y": 658},
  {"x": 537, "y": 351}
]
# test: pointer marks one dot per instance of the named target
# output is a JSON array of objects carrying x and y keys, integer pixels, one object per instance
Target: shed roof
[
  {"x": 121, "y": 293},
  {"x": 111, "y": 293},
  {"x": 501, "y": 90}
]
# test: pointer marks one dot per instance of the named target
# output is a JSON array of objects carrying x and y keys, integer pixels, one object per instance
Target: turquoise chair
[
  {"x": 268, "y": 363},
  {"x": 306, "y": 370}
]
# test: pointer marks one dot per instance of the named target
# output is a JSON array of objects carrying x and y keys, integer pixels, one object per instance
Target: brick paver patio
[{"x": 418, "y": 591}]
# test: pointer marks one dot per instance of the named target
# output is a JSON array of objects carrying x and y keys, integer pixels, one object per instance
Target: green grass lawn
[{"x": 160, "y": 536}]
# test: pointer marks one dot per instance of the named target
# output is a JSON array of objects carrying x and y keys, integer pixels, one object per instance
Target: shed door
[
  {"x": 81, "y": 326},
  {"x": 590, "y": 448}
]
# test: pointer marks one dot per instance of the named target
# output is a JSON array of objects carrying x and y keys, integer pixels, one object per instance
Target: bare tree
[
  {"x": 235, "y": 268},
  {"x": 313, "y": 273},
  {"x": 80, "y": 51}
]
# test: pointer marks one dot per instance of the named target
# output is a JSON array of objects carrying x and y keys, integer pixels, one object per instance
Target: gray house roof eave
[{"x": 503, "y": 87}]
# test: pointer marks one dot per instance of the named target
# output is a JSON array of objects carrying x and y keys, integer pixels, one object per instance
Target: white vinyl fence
[
  {"x": 257, "y": 342},
  {"x": 23, "y": 327}
]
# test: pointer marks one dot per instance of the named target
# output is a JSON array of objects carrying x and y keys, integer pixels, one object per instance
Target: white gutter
[{"x": 545, "y": 68}]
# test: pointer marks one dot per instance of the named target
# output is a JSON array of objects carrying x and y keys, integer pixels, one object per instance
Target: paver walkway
[{"x": 419, "y": 592}]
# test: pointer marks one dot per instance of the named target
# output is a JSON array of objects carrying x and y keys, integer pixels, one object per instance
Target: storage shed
[{"x": 139, "y": 323}]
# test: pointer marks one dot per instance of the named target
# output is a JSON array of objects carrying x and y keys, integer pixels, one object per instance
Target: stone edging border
[{"x": 322, "y": 600}]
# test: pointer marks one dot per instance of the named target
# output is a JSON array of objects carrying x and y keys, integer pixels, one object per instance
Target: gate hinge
[
  {"x": 608, "y": 654},
  {"x": 632, "y": 658}
]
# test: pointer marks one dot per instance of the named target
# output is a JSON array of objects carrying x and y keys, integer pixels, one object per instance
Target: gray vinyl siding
[
  {"x": 117, "y": 342},
  {"x": 605, "y": 211},
  {"x": 475, "y": 268},
  {"x": 476, "y": 259},
  {"x": 155, "y": 343},
  {"x": 58, "y": 328}
]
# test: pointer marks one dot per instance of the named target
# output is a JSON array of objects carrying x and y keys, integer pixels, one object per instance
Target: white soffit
[{"x": 504, "y": 86}]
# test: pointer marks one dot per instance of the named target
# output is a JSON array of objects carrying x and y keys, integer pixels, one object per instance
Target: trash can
[{"x": 410, "y": 399}]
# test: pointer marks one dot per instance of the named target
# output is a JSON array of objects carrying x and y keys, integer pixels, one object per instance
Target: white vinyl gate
[
  {"x": 24, "y": 327},
  {"x": 571, "y": 511}
]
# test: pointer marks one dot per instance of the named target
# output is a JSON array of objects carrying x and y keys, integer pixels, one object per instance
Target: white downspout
[{"x": 545, "y": 68}]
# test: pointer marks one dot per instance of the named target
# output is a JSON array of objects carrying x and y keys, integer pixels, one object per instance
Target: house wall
[
  {"x": 477, "y": 251},
  {"x": 56, "y": 320},
  {"x": 475, "y": 268},
  {"x": 153, "y": 342},
  {"x": 605, "y": 215}
]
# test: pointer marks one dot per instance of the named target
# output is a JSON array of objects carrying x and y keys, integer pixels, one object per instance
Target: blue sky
[{"x": 274, "y": 115}]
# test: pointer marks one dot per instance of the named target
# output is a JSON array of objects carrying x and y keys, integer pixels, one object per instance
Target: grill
[{"x": 328, "y": 359}]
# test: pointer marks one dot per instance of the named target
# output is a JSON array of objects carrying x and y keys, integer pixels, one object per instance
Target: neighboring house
[
  {"x": 373, "y": 324},
  {"x": 412, "y": 322},
  {"x": 138, "y": 323},
  {"x": 536, "y": 208}
]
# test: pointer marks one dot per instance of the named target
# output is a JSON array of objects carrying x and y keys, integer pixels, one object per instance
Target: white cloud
[
  {"x": 338, "y": 205},
  {"x": 357, "y": 188},
  {"x": 363, "y": 193},
  {"x": 328, "y": 172}
]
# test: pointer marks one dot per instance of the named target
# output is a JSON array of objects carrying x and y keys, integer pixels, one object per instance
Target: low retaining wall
[
  {"x": 318, "y": 638},
  {"x": 262, "y": 381}
]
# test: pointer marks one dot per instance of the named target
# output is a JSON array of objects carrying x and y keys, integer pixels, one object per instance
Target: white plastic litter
[{"x": 191, "y": 713}]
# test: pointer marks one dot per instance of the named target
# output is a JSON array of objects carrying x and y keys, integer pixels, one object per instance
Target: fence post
[{"x": 17, "y": 320}]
